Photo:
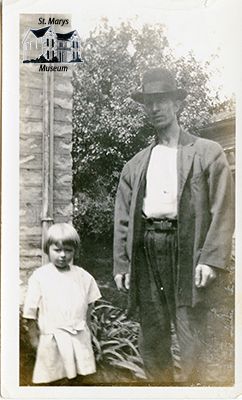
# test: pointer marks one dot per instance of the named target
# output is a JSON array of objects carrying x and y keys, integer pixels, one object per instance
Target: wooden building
[
  {"x": 45, "y": 157},
  {"x": 222, "y": 130}
]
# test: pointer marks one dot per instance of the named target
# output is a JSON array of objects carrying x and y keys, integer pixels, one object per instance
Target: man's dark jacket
[{"x": 205, "y": 213}]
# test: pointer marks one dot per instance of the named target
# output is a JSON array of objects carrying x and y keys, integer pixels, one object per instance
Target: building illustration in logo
[{"x": 45, "y": 45}]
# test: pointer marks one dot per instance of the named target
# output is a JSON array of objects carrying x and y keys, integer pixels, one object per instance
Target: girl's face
[{"x": 61, "y": 255}]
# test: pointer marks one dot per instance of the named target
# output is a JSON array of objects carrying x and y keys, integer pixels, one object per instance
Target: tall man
[{"x": 173, "y": 230}]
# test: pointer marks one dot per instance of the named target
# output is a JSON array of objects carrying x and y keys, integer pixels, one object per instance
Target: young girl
[{"x": 59, "y": 295}]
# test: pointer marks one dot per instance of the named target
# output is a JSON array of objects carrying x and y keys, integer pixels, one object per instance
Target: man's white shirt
[{"x": 161, "y": 183}]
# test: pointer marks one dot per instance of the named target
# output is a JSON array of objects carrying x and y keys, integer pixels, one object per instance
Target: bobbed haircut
[{"x": 61, "y": 234}]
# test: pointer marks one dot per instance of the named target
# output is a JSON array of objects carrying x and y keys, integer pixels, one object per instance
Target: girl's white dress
[{"x": 59, "y": 299}]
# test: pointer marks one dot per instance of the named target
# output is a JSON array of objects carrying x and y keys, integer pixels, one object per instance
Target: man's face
[{"x": 161, "y": 110}]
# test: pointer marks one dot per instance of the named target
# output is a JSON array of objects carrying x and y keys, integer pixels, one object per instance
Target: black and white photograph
[{"x": 120, "y": 212}]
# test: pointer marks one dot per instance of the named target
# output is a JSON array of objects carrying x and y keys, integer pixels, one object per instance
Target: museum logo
[{"x": 45, "y": 45}]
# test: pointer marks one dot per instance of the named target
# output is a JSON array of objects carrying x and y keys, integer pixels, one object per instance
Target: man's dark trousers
[{"x": 159, "y": 314}]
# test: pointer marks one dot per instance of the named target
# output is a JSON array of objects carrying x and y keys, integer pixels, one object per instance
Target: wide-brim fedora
[{"x": 158, "y": 81}]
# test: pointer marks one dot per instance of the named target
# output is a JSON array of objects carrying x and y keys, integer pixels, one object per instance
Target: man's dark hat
[{"x": 158, "y": 81}]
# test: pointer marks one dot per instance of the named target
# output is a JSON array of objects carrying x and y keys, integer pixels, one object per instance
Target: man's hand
[
  {"x": 204, "y": 274},
  {"x": 122, "y": 281}
]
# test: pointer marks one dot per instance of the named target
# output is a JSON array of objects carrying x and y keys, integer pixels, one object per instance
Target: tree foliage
[{"x": 109, "y": 127}]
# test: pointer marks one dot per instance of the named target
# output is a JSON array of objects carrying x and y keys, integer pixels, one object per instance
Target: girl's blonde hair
[{"x": 62, "y": 233}]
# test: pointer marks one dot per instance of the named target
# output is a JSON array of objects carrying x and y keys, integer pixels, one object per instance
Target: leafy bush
[
  {"x": 93, "y": 216},
  {"x": 115, "y": 341}
]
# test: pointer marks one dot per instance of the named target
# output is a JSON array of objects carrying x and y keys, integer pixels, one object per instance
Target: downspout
[{"x": 48, "y": 156}]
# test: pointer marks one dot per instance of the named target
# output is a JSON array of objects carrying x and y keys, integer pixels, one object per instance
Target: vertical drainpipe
[{"x": 48, "y": 156}]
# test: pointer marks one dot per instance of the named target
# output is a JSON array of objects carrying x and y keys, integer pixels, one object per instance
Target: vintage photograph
[{"x": 127, "y": 127}]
